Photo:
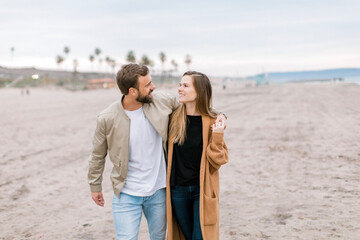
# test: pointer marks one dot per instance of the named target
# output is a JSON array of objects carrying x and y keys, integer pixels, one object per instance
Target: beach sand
[{"x": 293, "y": 171}]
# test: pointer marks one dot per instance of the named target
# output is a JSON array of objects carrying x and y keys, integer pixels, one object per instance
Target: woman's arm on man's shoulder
[{"x": 169, "y": 99}]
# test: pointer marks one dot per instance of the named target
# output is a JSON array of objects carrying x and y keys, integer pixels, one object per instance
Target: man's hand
[
  {"x": 98, "y": 198},
  {"x": 221, "y": 119}
]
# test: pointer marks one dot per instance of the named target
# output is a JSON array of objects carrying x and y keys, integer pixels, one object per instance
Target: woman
[{"x": 196, "y": 151}]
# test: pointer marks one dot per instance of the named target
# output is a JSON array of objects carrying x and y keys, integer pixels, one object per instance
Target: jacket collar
[{"x": 121, "y": 108}]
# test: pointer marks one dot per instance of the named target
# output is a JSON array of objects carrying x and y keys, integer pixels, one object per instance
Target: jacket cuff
[
  {"x": 223, "y": 113},
  {"x": 96, "y": 188},
  {"x": 217, "y": 137}
]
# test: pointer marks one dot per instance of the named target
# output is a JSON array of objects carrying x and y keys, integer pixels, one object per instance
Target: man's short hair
[{"x": 128, "y": 76}]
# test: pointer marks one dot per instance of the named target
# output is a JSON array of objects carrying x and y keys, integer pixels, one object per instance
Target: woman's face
[{"x": 187, "y": 92}]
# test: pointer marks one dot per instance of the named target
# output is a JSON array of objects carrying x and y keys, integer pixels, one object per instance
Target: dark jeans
[{"x": 185, "y": 206}]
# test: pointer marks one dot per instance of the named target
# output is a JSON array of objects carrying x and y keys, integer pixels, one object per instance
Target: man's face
[{"x": 145, "y": 88}]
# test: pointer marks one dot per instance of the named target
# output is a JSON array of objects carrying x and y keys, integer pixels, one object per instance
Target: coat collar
[{"x": 206, "y": 125}]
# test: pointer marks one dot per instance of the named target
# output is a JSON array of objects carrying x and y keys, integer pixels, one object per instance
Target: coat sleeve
[
  {"x": 97, "y": 158},
  {"x": 216, "y": 151}
]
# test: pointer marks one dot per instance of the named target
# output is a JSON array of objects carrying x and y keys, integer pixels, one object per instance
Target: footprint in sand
[{"x": 20, "y": 192}]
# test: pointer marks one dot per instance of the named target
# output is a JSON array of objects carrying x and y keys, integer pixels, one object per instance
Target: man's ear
[{"x": 132, "y": 91}]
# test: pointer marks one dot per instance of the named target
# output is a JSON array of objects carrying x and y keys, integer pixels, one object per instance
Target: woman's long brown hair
[{"x": 203, "y": 105}]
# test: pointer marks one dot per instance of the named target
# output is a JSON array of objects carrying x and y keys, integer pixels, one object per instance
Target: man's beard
[{"x": 144, "y": 98}]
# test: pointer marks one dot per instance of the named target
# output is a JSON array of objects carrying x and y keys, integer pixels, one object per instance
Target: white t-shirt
[{"x": 146, "y": 169}]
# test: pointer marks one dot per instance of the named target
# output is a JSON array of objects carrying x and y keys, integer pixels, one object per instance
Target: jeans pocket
[{"x": 211, "y": 210}]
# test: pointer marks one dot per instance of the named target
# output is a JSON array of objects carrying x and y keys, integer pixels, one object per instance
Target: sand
[{"x": 293, "y": 172}]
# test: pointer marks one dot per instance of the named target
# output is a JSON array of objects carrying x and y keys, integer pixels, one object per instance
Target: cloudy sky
[{"x": 233, "y": 38}]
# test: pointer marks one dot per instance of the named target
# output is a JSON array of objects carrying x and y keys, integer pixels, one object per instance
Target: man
[{"x": 134, "y": 132}]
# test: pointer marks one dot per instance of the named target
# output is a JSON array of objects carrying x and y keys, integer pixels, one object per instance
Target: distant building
[
  {"x": 100, "y": 83},
  {"x": 261, "y": 79}
]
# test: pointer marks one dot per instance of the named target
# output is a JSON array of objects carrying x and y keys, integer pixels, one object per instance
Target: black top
[{"x": 185, "y": 170}]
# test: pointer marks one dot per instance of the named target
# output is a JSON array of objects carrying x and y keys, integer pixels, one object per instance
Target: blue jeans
[
  {"x": 127, "y": 211},
  {"x": 185, "y": 206}
]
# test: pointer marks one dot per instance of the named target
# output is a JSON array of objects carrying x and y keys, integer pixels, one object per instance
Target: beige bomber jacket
[{"x": 112, "y": 136}]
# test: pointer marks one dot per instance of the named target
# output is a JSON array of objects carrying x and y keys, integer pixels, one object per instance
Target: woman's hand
[
  {"x": 221, "y": 118},
  {"x": 218, "y": 127}
]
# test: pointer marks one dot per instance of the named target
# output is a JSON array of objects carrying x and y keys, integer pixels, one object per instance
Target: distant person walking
[{"x": 196, "y": 150}]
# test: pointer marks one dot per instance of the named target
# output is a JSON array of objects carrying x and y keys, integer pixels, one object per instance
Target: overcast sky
[{"x": 233, "y": 38}]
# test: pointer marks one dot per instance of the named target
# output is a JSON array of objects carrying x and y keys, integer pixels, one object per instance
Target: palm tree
[
  {"x": 97, "y": 51},
  {"x": 187, "y": 61},
  {"x": 100, "y": 62},
  {"x": 108, "y": 61},
  {"x": 59, "y": 59},
  {"x": 175, "y": 65},
  {"x": 91, "y": 59},
  {"x": 163, "y": 60},
  {"x": 66, "y": 51},
  {"x": 131, "y": 57},
  {"x": 175, "y": 69},
  {"x": 97, "y": 54},
  {"x": 145, "y": 61},
  {"x": 162, "y": 56},
  {"x": 113, "y": 65},
  {"x": 75, "y": 64},
  {"x": 12, "y": 49},
  {"x": 111, "y": 62}
]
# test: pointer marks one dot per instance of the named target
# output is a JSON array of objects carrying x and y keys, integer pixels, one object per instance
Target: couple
[{"x": 181, "y": 192}]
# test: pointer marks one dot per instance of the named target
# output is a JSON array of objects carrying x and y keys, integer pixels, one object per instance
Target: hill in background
[
  {"x": 23, "y": 77},
  {"x": 348, "y": 74}
]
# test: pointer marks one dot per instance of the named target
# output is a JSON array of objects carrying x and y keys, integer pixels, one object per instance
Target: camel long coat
[{"x": 214, "y": 154}]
